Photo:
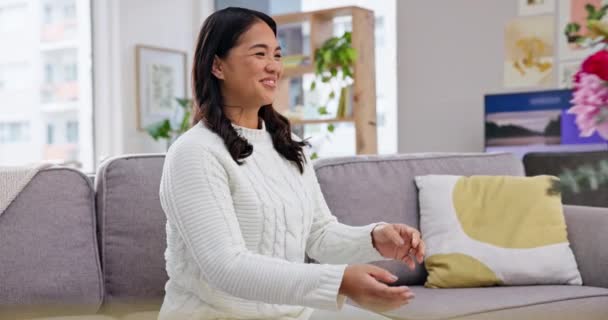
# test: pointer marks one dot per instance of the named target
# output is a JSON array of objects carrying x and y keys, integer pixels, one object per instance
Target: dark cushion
[{"x": 554, "y": 163}]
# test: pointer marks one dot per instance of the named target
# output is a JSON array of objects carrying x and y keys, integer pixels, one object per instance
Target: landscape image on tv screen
[{"x": 534, "y": 121}]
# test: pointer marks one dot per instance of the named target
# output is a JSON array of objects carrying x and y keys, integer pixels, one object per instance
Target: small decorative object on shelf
[{"x": 171, "y": 128}]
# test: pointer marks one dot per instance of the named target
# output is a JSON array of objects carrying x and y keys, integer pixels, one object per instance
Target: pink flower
[{"x": 590, "y": 101}]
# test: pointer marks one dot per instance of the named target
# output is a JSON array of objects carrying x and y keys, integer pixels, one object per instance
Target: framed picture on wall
[
  {"x": 161, "y": 77},
  {"x": 529, "y": 52},
  {"x": 575, "y": 40},
  {"x": 534, "y": 7}
]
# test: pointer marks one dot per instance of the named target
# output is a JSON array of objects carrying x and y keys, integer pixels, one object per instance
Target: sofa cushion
[
  {"x": 364, "y": 189},
  {"x": 78, "y": 317},
  {"x": 132, "y": 230},
  {"x": 145, "y": 315},
  {"x": 435, "y": 304},
  {"x": 48, "y": 245}
]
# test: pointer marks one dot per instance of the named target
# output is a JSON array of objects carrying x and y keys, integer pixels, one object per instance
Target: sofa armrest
[{"x": 588, "y": 236}]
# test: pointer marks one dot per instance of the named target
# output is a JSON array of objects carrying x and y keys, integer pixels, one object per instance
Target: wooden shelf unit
[{"x": 364, "y": 78}]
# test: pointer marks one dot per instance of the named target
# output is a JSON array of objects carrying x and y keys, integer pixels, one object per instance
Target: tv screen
[{"x": 534, "y": 121}]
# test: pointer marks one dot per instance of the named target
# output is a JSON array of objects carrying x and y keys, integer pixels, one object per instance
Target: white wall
[
  {"x": 119, "y": 25},
  {"x": 449, "y": 54}
]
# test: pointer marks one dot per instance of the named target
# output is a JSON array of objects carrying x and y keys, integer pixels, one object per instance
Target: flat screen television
[{"x": 534, "y": 121}]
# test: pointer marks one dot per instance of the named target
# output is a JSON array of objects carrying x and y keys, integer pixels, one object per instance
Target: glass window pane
[{"x": 46, "y": 82}]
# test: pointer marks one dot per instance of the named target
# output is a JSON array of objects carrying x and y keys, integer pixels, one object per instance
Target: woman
[{"x": 244, "y": 205}]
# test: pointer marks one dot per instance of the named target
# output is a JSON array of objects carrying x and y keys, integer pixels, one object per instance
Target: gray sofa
[{"x": 70, "y": 250}]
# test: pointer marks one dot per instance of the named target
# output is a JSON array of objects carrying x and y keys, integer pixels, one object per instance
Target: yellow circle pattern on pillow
[
  {"x": 510, "y": 212},
  {"x": 456, "y": 270}
]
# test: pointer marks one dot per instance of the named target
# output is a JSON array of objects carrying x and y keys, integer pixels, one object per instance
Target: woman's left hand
[{"x": 399, "y": 242}]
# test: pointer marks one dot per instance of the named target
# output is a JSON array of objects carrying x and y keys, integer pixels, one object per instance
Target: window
[
  {"x": 50, "y": 133},
  {"x": 48, "y": 13},
  {"x": 71, "y": 72},
  {"x": 14, "y": 132},
  {"x": 69, "y": 11},
  {"x": 48, "y": 73},
  {"x": 71, "y": 132},
  {"x": 14, "y": 76},
  {"x": 13, "y": 17},
  {"x": 56, "y": 77}
]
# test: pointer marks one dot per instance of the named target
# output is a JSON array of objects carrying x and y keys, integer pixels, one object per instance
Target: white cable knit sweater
[{"x": 237, "y": 235}]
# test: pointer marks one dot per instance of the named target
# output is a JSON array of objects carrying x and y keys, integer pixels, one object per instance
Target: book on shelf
[
  {"x": 345, "y": 102},
  {"x": 293, "y": 61}
]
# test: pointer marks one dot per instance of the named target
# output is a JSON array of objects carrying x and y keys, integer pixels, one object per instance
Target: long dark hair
[{"x": 219, "y": 34}]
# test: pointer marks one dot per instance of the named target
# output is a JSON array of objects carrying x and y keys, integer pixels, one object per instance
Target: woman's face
[{"x": 250, "y": 72}]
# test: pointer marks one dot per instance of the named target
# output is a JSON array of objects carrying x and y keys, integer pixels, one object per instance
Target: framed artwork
[
  {"x": 161, "y": 77},
  {"x": 566, "y": 71},
  {"x": 575, "y": 40},
  {"x": 534, "y": 7},
  {"x": 529, "y": 52}
]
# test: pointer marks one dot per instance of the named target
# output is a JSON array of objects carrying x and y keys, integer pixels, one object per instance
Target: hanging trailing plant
[{"x": 334, "y": 65}]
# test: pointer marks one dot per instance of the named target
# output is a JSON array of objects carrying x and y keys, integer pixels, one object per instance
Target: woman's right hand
[{"x": 366, "y": 285}]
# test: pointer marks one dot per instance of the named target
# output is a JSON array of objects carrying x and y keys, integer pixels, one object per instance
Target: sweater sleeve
[
  {"x": 333, "y": 242},
  {"x": 196, "y": 196}
]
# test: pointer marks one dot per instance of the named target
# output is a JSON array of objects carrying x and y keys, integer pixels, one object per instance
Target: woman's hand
[
  {"x": 367, "y": 286},
  {"x": 399, "y": 242}
]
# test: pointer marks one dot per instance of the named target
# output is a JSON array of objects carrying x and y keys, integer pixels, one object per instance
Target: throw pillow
[{"x": 494, "y": 230}]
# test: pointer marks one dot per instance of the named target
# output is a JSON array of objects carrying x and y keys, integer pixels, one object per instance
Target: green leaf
[
  {"x": 314, "y": 156},
  {"x": 333, "y": 71},
  {"x": 159, "y": 130},
  {"x": 590, "y": 9},
  {"x": 347, "y": 73},
  {"x": 313, "y": 85},
  {"x": 184, "y": 102},
  {"x": 322, "y": 110},
  {"x": 327, "y": 55},
  {"x": 332, "y": 95},
  {"x": 572, "y": 27},
  {"x": 331, "y": 127},
  {"x": 351, "y": 54},
  {"x": 185, "y": 122}
]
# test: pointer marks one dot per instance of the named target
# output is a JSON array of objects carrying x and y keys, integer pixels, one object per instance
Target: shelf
[
  {"x": 304, "y": 16},
  {"x": 321, "y": 28},
  {"x": 292, "y": 72},
  {"x": 320, "y": 121}
]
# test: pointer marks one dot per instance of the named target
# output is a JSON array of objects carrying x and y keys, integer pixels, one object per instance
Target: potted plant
[{"x": 171, "y": 128}]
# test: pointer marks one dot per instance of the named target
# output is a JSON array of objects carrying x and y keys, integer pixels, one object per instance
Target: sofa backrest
[
  {"x": 132, "y": 233},
  {"x": 365, "y": 189},
  {"x": 48, "y": 247},
  {"x": 359, "y": 190}
]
